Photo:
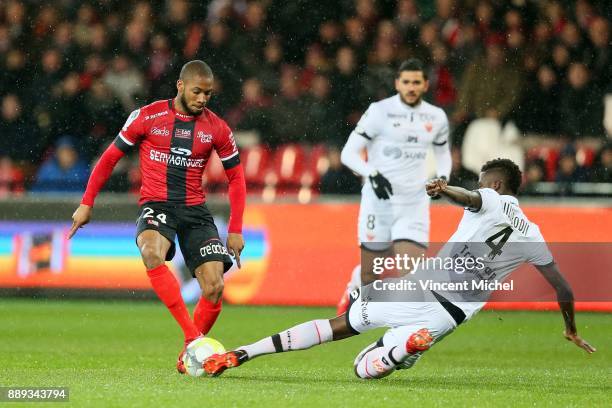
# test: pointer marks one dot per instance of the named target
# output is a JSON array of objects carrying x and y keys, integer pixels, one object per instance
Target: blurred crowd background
[{"x": 529, "y": 78}]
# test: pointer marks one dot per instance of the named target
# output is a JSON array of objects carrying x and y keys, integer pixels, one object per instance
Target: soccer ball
[{"x": 199, "y": 350}]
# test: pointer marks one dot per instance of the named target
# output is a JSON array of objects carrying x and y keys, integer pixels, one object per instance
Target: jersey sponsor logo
[
  {"x": 392, "y": 152},
  {"x": 177, "y": 159},
  {"x": 213, "y": 248},
  {"x": 156, "y": 115},
  {"x": 415, "y": 155},
  {"x": 204, "y": 137},
  {"x": 131, "y": 119},
  {"x": 182, "y": 133},
  {"x": 396, "y": 124},
  {"x": 160, "y": 132},
  {"x": 181, "y": 151},
  {"x": 397, "y": 115},
  {"x": 412, "y": 139},
  {"x": 429, "y": 126}
]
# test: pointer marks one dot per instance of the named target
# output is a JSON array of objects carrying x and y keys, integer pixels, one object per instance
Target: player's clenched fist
[
  {"x": 81, "y": 216},
  {"x": 435, "y": 187}
]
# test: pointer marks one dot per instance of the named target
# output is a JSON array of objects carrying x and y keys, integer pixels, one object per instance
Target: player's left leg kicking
[{"x": 399, "y": 348}]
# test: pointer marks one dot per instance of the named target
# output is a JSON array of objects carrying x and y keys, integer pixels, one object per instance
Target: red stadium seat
[
  {"x": 255, "y": 164},
  {"x": 585, "y": 156},
  {"x": 316, "y": 165},
  {"x": 287, "y": 168}
]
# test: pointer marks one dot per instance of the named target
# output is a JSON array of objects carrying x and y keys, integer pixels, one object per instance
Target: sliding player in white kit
[
  {"x": 492, "y": 219},
  {"x": 396, "y": 132}
]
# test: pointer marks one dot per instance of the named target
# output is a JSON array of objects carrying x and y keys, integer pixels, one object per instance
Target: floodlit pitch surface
[{"x": 123, "y": 354}]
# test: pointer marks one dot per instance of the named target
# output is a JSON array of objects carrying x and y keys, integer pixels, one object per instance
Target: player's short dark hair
[
  {"x": 195, "y": 68},
  {"x": 510, "y": 171},
  {"x": 411, "y": 64}
]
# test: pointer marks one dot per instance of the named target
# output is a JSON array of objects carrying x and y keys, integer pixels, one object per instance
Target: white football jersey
[
  {"x": 399, "y": 138},
  {"x": 502, "y": 236}
]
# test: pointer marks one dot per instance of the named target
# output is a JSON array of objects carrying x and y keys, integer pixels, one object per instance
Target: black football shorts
[{"x": 197, "y": 233}]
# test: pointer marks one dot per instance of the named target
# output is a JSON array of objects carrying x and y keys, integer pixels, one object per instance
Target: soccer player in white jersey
[
  {"x": 396, "y": 133},
  {"x": 493, "y": 219}
]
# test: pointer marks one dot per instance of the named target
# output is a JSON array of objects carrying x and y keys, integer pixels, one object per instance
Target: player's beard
[
  {"x": 186, "y": 106},
  {"x": 415, "y": 103}
]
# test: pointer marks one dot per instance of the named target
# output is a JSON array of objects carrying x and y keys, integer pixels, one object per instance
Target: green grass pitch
[{"x": 123, "y": 354}]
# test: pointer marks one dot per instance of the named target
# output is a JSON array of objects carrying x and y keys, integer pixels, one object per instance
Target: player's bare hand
[
  {"x": 235, "y": 245},
  {"x": 577, "y": 340},
  {"x": 81, "y": 216},
  {"x": 435, "y": 187}
]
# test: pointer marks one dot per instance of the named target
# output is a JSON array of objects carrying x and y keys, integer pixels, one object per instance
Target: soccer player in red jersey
[{"x": 175, "y": 138}]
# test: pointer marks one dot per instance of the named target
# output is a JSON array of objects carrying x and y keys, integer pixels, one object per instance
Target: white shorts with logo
[
  {"x": 393, "y": 219},
  {"x": 402, "y": 318}
]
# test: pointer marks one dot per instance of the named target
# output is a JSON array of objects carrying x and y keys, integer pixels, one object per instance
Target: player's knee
[{"x": 151, "y": 256}]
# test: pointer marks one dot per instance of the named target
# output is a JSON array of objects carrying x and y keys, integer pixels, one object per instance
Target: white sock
[
  {"x": 300, "y": 337},
  {"x": 355, "y": 282}
]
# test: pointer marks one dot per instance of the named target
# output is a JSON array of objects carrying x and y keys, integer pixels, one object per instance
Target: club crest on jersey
[
  {"x": 181, "y": 151},
  {"x": 428, "y": 126},
  {"x": 182, "y": 133},
  {"x": 204, "y": 137},
  {"x": 131, "y": 119}
]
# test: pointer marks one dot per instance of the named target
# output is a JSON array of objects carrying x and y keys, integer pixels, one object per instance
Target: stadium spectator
[
  {"x": 581, "y": 104},
  {"x": 568, "y": 171},
  {"x": 323, "y": 113},
  {"x": 19, "y": 139},
  {"x": 599, "y": 57},
  {"x": 338, "y": 179},
  {"x": 269, "y": 71},
  {"x": 460, "y": 175},
  {"x": 289, "y": 123},
  {"x": 442, "y": 91},
  {"x": 105, "y": 115},
  {"x": 252, "y": 113},
  {"x": 64, "y": 171},
  {"x": 15, "y": 72},
  {"x": 346, "y": 86},
  {"x": 126, "y": 82},
  {"x": 535, "y": 172},
  {"x": 68, "y": 99},
  {"x": 538, "y": 110},
  {"x": 490, "y": 87},
  {"x": 11, "y": 178},
  {"x": 602, "y": 168}
]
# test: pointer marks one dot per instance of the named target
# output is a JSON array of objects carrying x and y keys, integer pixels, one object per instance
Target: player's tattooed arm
[
  {"x": 456, "y": 195},
  {"x": 565, "y": 297}
]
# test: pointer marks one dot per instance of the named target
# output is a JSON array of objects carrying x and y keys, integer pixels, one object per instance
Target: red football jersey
[{"x": 174, "y": 150}]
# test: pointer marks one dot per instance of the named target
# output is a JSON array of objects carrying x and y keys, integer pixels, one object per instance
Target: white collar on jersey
[{"x": 398, "y": 100}]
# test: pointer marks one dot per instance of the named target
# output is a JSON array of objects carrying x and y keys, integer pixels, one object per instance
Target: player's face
[
  {"x": 195, "y": 93},
  {"x": 411, "y": 85}
]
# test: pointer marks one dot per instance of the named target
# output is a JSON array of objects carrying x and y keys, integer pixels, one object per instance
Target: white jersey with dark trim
[
  {"x": 502, "y": 236},
  {"x": 399, "y": 137}
]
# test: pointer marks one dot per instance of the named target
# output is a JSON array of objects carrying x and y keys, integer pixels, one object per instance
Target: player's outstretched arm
[
  {"x": 565, "y": 297},
  {"x": 237, "y": 198},
  {"x": 456, "y": 195}
]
